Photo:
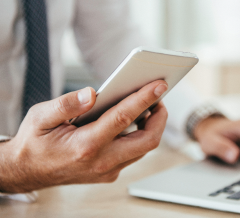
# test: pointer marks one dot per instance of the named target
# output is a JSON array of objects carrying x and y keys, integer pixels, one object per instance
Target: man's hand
[
  {"x": 219, "y": 137},
  {"x": 48, "y": 150}
]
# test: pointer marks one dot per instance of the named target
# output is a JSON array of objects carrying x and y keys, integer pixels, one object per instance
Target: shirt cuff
[
  {"x": 24, "y": 197},
  {"x": 4, "y": 138}
]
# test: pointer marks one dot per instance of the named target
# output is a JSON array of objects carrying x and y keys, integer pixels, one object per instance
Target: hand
[
  {"x": 218, "y": 136},
  {"x": 48, "y": 150}
]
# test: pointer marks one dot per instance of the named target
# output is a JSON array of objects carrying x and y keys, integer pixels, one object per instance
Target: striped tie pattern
[{"x": 37, "y": 86}]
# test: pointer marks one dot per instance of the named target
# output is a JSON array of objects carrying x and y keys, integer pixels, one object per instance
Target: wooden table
[{"x": 110, "y": 200}]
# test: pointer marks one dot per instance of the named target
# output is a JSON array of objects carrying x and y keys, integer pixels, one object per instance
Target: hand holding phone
[{"x": 142, "y": 66}]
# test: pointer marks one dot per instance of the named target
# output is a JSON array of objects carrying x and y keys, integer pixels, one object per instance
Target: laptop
[{"x": 209, "y": 183}]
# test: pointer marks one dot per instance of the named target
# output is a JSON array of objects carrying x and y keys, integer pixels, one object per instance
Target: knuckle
[
  {"x": 102, "y": 167},
  {"x": 154, "y": 141},
  {"x": 123, "y": 119},
  {"x": 86, "y": 154},
  {"x": 143, "y": 103},
  {"x": 110, "y": 177},
  {"x": 33, "y": 114},
  {"x": 62, "y": 105}
]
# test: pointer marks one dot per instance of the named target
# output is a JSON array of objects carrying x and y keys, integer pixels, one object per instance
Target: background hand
[{"x": 219, "y": 137}]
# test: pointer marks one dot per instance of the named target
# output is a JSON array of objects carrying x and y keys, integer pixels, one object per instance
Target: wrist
[
  {"x": 10, "y": 176},
  {"x": 5, "y": 163},
  {"x": 205, "y": 125}
]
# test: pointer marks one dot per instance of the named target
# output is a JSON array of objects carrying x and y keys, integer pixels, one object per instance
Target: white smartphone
[{"x": 142, "y": 66}]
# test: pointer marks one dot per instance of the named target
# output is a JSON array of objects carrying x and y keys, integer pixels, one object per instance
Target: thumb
[{"x": 50, "y": 114}]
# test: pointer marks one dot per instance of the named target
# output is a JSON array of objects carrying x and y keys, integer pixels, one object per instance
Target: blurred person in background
[{"x": 44, "y": 150}]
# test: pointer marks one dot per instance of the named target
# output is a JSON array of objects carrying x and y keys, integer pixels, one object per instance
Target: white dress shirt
[{"x": 104, "y": 35}]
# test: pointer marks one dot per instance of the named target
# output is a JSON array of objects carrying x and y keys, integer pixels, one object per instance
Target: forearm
[
  {"x": 14, "y": 175},
  {"x": 9, "y": 185},
  {"x": 8, "y": 165}
]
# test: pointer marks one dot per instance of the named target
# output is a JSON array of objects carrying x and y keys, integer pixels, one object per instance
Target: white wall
[
  {"x": 209, "y": 28},
  {"x": 149, "y": 16}
]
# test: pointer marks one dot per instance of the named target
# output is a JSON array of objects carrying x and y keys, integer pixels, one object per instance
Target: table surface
[{"x": 110, "y": 200}]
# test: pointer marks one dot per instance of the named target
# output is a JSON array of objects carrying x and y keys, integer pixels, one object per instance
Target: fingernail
[
  {"x": 160, "y": 89},
  {"x": 84, "y": 95},
  {"x": 231, "y": 155}
]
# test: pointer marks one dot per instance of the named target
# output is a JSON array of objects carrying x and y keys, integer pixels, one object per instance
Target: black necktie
[{"x": 37, "y": 80}]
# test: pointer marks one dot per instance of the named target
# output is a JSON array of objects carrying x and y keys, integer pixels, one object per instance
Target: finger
[
  {"x": 140, "y": 142},
  {"x": 50, "y": 114},
  {"x": 157, "y": 119},
  {"x": 129, "y": 162},
  {"x": 142, "y": 122},
  {"x": 233, "y": 130},
  {"x": 223, "y": 148},
  {"x": 119, "y": 117},
  {"x": 125, "y": 164},
  {"x": 112, "y": 174}
]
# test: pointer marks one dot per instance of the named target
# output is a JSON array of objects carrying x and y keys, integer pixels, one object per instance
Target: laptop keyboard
[{"x": 232, "y": 195}]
